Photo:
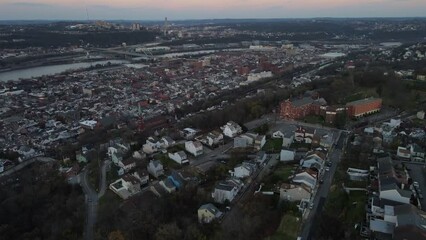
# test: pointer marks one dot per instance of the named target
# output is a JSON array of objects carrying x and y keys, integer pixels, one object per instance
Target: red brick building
[
  {"x": 363, "y": 107},
  {"x": 301, "y": 108}
]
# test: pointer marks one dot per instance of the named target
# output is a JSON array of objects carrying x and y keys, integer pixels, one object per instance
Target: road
[
  {"x": 324, "y": 188},
  {"x": 418, "y": 173},
  {"x": 102, "y": 184},
  {"x": 92, "y": 198}
]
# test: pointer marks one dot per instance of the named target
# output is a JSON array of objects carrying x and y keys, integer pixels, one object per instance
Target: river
[{"x": 50, "y": 70}]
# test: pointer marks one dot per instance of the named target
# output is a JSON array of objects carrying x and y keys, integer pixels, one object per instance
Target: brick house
[{"x": 363, "y": 107}]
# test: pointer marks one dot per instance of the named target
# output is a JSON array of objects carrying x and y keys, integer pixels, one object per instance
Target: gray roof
[
  {"x": 408, "y": 214},
  {"x": 212, "y": 208},
  {"x": 224, "y": 186},
  {"x": 302, "y": 101},
  {"x": 361, "y": 101}
]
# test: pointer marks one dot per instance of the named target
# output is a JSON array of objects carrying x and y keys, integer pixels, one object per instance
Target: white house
[
  {"x": 208, "y": 212},
  {"x": 277, "y": 134},
  {"x": 188, "y": 133},
  {"x": 390, "y": 190},
  {"x": 307, "y": 177},
  {"x": 231, "y": 129},
  {"x": 126, "y": 186},
  {"x": 167, "y": 142},
  {"x": 287, "y": 155},
  {"x": 226, "y": 190},
  {"x": 179, "y": 157},
  {"x": 288, "y": 139},
  {"x": 259, "y": 142},
  {"x": 214, "y": 138},
  {"x": 195, "y": 148},
  {"x": 142, "y": 175},
  {"x": 294, "y": 192},
  {"x": 155, "y": 168},
  {"x": 403, "y": 152},
  {"x": 417, "y": 153},
  {"x": 244, "y": 170}
]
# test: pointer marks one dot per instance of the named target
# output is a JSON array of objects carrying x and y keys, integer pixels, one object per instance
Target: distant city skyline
[{"x": 196, "y": 9}]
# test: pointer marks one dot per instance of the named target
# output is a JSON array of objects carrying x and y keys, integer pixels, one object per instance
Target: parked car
[
  {"x": 416, "y": 184},
  {"x": 327, "y": 169},
  {"x": 420, "y": 196}
]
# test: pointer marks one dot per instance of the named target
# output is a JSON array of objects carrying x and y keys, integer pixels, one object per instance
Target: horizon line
[{"x": 211, "y": 19}]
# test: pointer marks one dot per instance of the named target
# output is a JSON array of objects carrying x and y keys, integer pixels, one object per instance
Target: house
[
  {"x": 117, "y": 149},
  {"x": 313, "y": 160},
  {"x": 83, "y": 156},
  {"x": 178, "y": 179},
  {"x": 195, "y": 148},
  {"x": 244, "y": 170},
  {"x": 304, "y": 135},
  {"x": 288, "y": 139},
  {"x": 139, "y": 155},
  {"x": 225, "y": 191},
  {"x": 326, "y": 141},
  {"x": 307, "y": 177},
  {"x": 26, "y": 151},
  {"x": 151, "y": 145},
  {"x": 417, "y": 153},
  {"x": 277, "y": 134},
  {"x": 126, "y": 186},
  {"x": 142, "y": 175},
  {"x": 294, "y": 192},
  {"x": 214, "y": 138},
  {"x": 167, "y": 142},
  {"x": 390, "y": 189},
  {"x": 168, "y": 185},
  {"x": 259, "y": 142},
  {"x": 188, "y": 133},
  {"x": 179, "y": 157},
  {"x": 403, "y": 152},
  {"x": 363, "y": 107},
  {"x": 356, "y": 174},
  {"x": 301, "y": 107},
  {"x": 127, "y": 164},
  {"x": 231, "y": 129},
  {"x": 208, "y": 212},
  {"x": 155, "y": 168},
  {"x": 240, "y": 142},
  {"x": 400, "y": 222},
  {"x": 287, "y": 155},
  {"x": 249, "y": 140}
]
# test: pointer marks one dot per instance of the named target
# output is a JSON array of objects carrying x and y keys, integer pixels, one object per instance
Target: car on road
[
  {"x": 416, "y": 184},
  {"x": 327, "y": 169},
  {"x": 329, "y": 163}
]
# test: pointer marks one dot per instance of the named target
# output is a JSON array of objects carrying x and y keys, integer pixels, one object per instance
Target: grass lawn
[
  {"x": 167, "y": 162},
  {"x": 288, "y": 229},
  {"x": 314, "y": 119},
  {"x": 273, "y": 145},
  {"x": 279, "y": 175}
]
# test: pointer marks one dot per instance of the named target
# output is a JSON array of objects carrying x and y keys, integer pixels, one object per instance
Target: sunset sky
[{"x": 202, "y": 9}]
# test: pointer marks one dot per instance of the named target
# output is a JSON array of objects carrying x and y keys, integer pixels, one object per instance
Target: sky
[{"x": 205, "y": 9}]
